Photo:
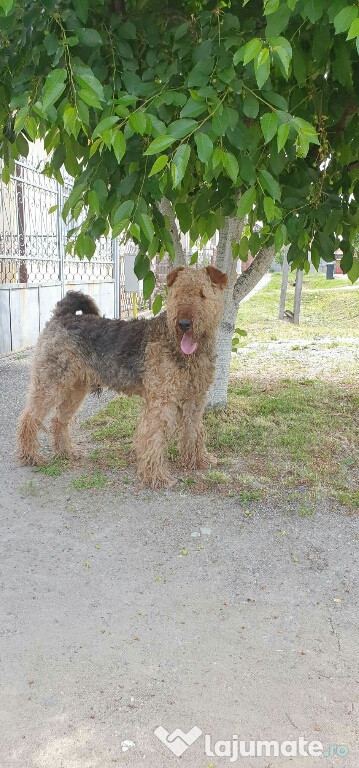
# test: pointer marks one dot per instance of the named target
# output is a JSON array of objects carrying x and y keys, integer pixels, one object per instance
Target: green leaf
[
  {"x": 231, "y": 166},
  {"x": 180, "y": 128},
  {"x": 270, "y": 6},
  {"x": 239, "y": 55},
  {"x": 54, "y": 87},
  {"x": 193, "y": 108},
  {"x": 283, "y": 132},
  {"x": 89, "y": 97},
  {"x": 218, "y": 157},
  {"x": 149, "y": 283},
  {"x": 262, "y": 70},
  {"x": 200, "y": 73},
  {"x": 81, "y": 9},
  {"x": 71, "y": 122},
  {"x": 353, "y": 31},
  {"x": 252, "y": 50},
  {"x": 6, "y": 5},
  {"x": 85, "y": 246},
  {"x": 269, "y": 208},
  {"x": 250, "y": 105},
  {"x": 5, "y": 174},
  {"x": 123, "y": 211},
  {"x": 119, "y": 144},
  {"x": 104, "y": 125},
  {"x": 89, "y": 37},
  {"x": 138, "y": 122},
  {"x": 345, "y": 17},
  {"x": 93, "y": 201},
  {"x": 21, "y": 119},
  {"x": 346, "y": 262},
  {"x": 313, "y": 9},
  {"x": 246, "y": 202},
  {"x": 126, "y": 31},
  {"x": 157, "y": 304},
  {"x": 204, "y": 146},
  {"x": 306, "y": 129},
  {"x": 159, "y": 165},
  {"x": 353, "y": 273},
  {"x": 179, "y": 163},
  {"x": 181, "y": 30},
  {"x": 184, "y": 215},
  {"x": 269, "y": 122},
  {"x": 283, "y": 49},
  {"x": 159, "y": 144},
  {"x": 147, "y": 227},
  {"x": 278, "y": 21},
  {"x": 270, "y": 184},
  {"x": 280, "y": 237},
  {"x": 91, "y": 89},
  {"x": 327, "y": 246}
]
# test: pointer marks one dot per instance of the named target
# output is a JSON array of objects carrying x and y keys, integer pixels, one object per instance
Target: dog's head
[{"x": 195, "y": 305}]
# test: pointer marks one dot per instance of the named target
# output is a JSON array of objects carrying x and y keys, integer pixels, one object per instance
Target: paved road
[{"x": 109, "y": 631}]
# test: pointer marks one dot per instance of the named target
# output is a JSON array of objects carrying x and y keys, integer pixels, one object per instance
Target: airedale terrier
[{"x": 169, "y": 360}]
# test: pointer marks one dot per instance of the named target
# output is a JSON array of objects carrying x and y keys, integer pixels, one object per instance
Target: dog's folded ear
[
  {"x": 217, "y": 277},
  {"x": 172, "y": 276}
]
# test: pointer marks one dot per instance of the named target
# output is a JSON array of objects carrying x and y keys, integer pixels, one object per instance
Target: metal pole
[
  {"x": 19, "y": 187},
  {"x": 60, "y": 231},
  {"x": 116, "y": 276},
  {"x": 284, "y": 286},
  {"x": 298, "y": 295}
]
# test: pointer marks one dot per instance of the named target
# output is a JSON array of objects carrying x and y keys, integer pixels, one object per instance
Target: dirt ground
[{"x": 123, "y": 610}]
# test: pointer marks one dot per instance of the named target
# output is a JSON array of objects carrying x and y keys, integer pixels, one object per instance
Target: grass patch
[
  {"x": 287, "y": 434},
  {"x": 117, "y": 422},
  {"x": 215, "y": 476},
  {"x": 54, "y": 468},
  {"x": 296, "y": 424},
  {"x": 328, "y": 308},
  {"x": 87, "y": 482}
]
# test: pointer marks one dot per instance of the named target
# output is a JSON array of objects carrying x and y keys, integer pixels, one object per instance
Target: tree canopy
[{"x": 243, "y": 108}]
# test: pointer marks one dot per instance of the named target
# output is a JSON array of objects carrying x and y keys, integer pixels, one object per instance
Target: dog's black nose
[{"x": 185, "y": 325}]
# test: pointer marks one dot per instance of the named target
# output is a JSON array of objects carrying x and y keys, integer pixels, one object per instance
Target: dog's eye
[{"x": 202, "y": 295}]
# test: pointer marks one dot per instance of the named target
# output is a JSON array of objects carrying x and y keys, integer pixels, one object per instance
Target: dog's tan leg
[
  {"x": 66, "y": 407},
  {"x": 192, "y": 451},
  {"x": 38, "y": 406},
  {"x": 156, "y": 426}
]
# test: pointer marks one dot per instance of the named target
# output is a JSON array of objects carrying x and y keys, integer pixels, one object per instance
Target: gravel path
[
  {"x": 314, "y": 358},
  {"x": 122, "y": 611}
]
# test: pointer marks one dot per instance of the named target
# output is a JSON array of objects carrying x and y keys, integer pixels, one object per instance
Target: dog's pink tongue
[{"x": 188, "y": 346}]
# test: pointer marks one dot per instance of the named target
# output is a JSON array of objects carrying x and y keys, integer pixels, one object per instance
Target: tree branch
[
  {"x": 166, "y": 209},
  {"x": 249, "y": 279}
]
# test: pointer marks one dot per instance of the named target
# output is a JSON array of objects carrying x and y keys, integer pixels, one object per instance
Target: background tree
[{"x": 217, "y": 115}]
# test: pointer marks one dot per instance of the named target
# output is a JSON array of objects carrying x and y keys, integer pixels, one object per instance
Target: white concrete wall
[{"x": 24, "y": 309}]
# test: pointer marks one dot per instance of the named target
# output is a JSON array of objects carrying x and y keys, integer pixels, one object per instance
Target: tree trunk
[{"x": 237, "y": 290}]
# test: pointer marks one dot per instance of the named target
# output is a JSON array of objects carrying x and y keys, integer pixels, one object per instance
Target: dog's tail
[{"x": 75, "y": 302}]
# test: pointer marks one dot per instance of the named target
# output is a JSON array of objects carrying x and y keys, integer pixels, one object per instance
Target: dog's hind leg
[
  {"x": 68, "y": 403},
  {"x": 39, "y": 404}
]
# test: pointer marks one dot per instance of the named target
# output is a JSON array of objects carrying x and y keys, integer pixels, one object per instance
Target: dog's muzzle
[{"x": 188, "y": 345}]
